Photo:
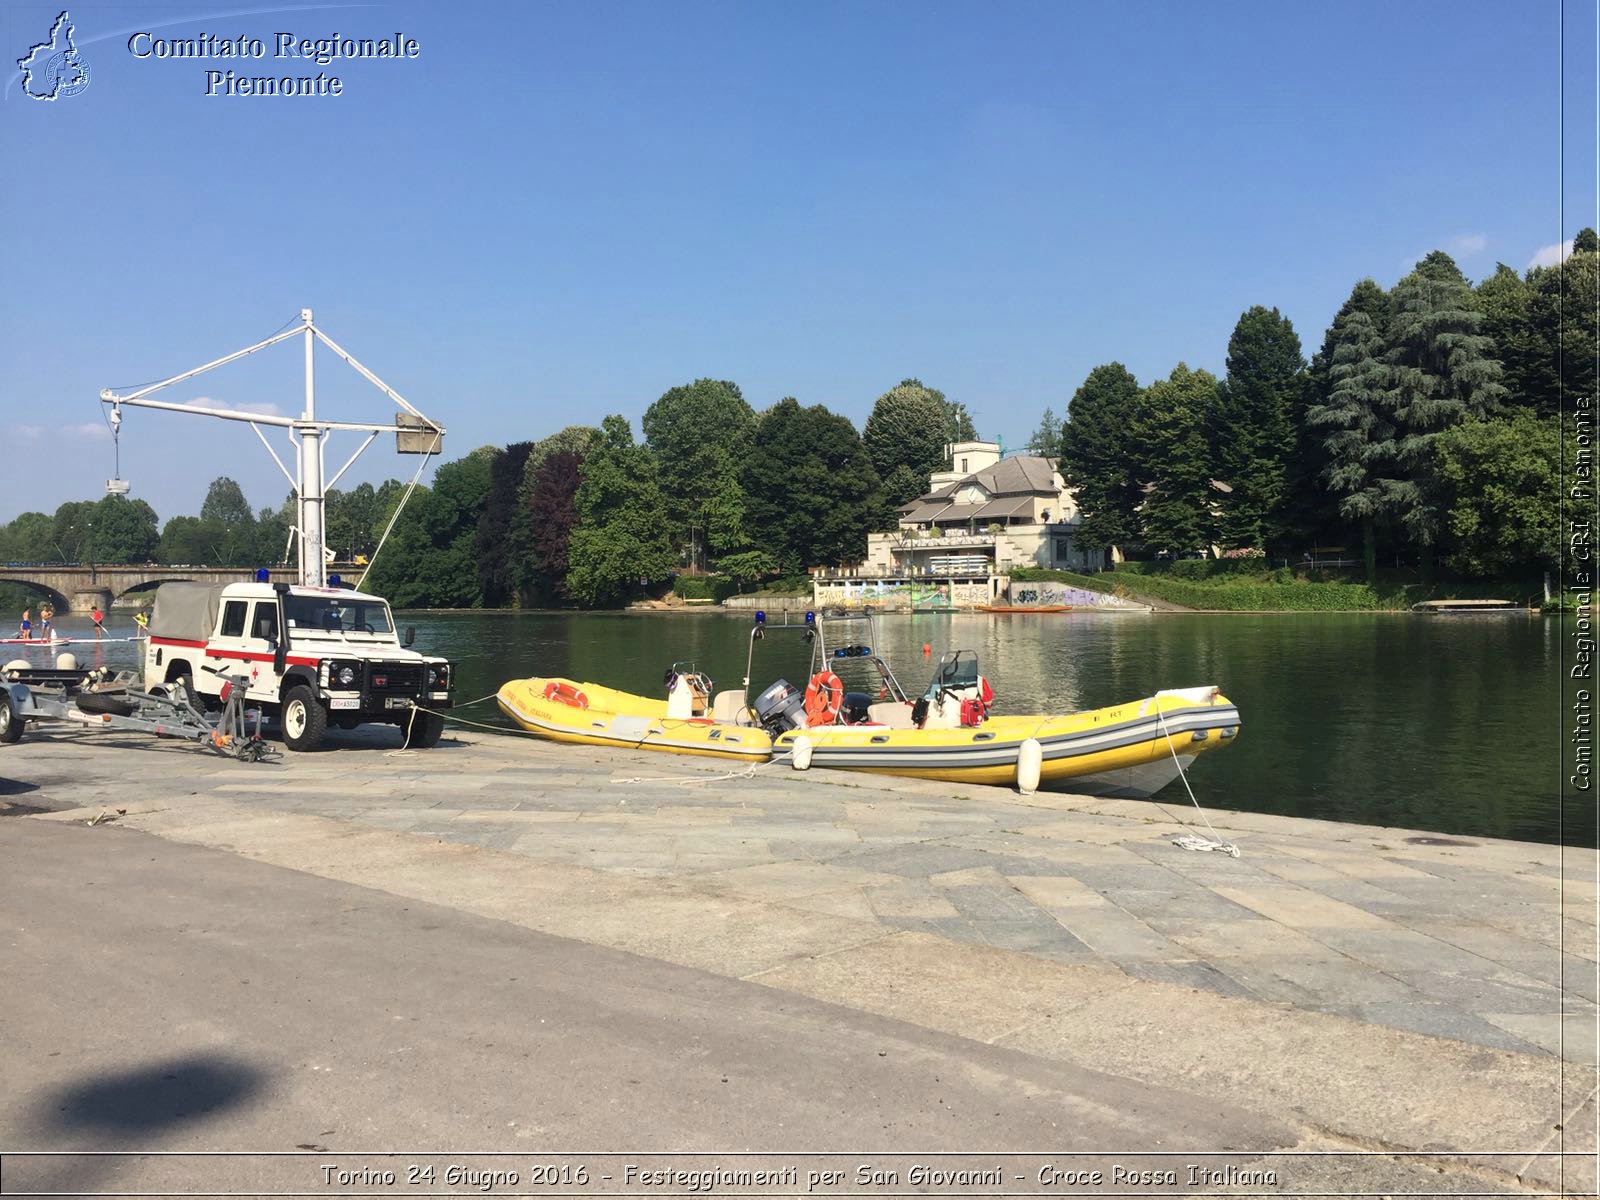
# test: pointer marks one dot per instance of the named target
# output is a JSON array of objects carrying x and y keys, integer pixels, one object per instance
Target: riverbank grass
[{"x": 1222, "y": 587}]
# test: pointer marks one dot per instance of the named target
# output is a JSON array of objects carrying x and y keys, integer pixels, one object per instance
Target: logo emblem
[
  {"x": 380, "y": 681},
  {"x": 54, "y": 68}
]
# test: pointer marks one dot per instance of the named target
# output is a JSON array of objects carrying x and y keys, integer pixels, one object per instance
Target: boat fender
[
  {"x": 824, "y": 698},
  {"x": 67, "y": 662},
  {"x": 800, "y": 758},
  {"x": 18, "y": 664},
  {"x": 1030, "y": 762}
]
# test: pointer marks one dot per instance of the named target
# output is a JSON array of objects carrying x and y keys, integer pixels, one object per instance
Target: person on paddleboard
[
  {"x": 99, "y": 622},
  {"x": 25, "y": 630}
]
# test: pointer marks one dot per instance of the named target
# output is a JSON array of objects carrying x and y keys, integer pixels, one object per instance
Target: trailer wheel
[
  {"x": 303, "y": 718},
  {"x": 10, "y": 723}
]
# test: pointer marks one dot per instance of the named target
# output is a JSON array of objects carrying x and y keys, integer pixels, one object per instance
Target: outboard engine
[
  {"x": 781, "y": 707},
  {"x": 856, "y": 709}
]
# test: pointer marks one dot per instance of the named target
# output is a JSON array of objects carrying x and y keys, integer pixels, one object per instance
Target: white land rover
[{"x": 314, "y": 655}]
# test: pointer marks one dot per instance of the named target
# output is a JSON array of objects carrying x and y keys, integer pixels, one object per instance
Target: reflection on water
[{"x": 1441, "y": 723}]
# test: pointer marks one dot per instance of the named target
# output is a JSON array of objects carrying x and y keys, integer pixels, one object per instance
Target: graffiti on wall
[
  {"x": 922, "y": 594},
  {"x": 1062, "y": 593}
]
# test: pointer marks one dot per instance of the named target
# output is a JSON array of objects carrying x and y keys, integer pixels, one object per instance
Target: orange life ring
[
  {"x": 565, "y": 693},
  {"x": 824, "y": 698}
]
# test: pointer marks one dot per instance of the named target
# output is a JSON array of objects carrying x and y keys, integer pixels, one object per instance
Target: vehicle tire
[
  {"x": 181, "y": 686},
  {"x": 10, "y": 724},
  {"x": 303, "y": 719},
  {"x": 425, "y": 731}
]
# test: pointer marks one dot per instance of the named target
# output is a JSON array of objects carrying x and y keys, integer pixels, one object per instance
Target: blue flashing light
[
  {"x": 333, "y": 581},
  {"x": 761, "y": 617},
  {"x": 263, "y": 575},
  {"x": 811, "y": 618}
]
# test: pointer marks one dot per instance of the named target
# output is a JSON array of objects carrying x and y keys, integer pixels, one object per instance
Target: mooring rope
[{"x": 1191, "y": 841}]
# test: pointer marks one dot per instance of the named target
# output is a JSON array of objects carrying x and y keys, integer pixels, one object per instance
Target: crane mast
[{"x": 414, "y": 434}]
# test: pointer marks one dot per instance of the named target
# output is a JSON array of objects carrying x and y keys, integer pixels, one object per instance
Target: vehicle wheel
[
  {"x": 181, "y": 686},
  {"x": 303, "y": 718},
  {"x": 425, "y": 730},
  {"x": 10, "y": 723}
]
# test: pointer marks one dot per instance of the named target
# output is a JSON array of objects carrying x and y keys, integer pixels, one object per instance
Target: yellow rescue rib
[
  {"x": 588, "y": 714},
  {"x": 1128, "y": 749}
]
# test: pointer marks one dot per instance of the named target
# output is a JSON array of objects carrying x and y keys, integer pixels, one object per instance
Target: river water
[{"x": 1450, "y": 724}]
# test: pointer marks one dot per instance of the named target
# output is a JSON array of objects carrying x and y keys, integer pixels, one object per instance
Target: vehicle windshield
[{"x": 330, "y": 614}]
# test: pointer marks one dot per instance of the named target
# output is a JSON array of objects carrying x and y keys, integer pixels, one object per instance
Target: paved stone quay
[{"x": 1386, "y": 989}]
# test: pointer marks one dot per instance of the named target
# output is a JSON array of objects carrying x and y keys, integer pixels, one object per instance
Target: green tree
[
  {"x": 26, "y": 538},
  {"x": 700, "y": 436},
  {"x": 430, "y": 560},
  {"x": 1442, "y": 372},
  {"x": 225, "y": 504},
  {"x": 1310, "y": 512},
  {"x": 1560, "y": 356},
  {"x": 123, "y": 531},
  {"x": 1169, "y": 434},
  {"x": 498, "y": 567},
  {"x": 1046, "y": 439},
  {"x": 1359, "y": 431},
  {"x": 1099, "y": 460},
  {"x": 620, "y": 544},
  {"x": 811, "y": 487},
  {"x": 749, "y": 566},
  {"x": 1500, "y": 493},
  {"x": 909, "y": 427},
  {"x": 1250, "y": 425},
  {"x": 1505, "y": 298},
  {"x": 186, "y": 540},
  {"x": 69, "y": 530}
]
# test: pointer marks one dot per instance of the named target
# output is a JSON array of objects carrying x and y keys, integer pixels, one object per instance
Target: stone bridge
[{"x": 80, "y": 587}]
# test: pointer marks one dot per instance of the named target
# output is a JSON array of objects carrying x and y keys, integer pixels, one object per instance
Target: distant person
[
  {"x": 45, "y": 614},
  {"x": 142, "y": 621},
  {"x": 25, "y": 630},
  {"x": 99, "y": 619}
]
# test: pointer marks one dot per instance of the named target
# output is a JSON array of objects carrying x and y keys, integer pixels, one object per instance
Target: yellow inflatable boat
[
  {"x": 568, "y": 711},
  {"x": 1128, "y": 749}
]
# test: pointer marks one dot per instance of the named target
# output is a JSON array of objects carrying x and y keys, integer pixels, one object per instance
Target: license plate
[
  {"x": 397, "y": 702},
  {"x": 345, "y": 702}
]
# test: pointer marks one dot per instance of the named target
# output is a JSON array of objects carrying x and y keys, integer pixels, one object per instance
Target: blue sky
[{"x": 560, "y": 210}]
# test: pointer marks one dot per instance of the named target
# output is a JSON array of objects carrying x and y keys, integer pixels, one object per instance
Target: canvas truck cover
[{"x": 186, "y": 610}]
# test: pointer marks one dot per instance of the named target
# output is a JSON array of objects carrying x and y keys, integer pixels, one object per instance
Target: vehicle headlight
[
  {"x": 346, "y": 676},
  {"x": 439, "y": 676}
]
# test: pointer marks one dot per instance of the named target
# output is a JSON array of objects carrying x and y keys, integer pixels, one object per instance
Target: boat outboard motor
[
  {"x": 856, "y": 708},
  {"x": 781, "y": 707}
]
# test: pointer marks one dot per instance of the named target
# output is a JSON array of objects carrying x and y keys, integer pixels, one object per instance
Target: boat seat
[
  {"x": 729, "y": 706},
  {"x": 891, "y": 713}
]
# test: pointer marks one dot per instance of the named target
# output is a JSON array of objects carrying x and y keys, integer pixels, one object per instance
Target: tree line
[
  {"x": 1424, "y": 429},
  {"x": 588, "y": 516}
]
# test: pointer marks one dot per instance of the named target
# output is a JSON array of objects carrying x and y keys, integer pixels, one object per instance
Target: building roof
[
  {"x": 1004, "y": 506},
  {"x": 1019, "y": 475}
]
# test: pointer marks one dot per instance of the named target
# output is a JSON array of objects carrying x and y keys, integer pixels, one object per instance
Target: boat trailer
[{"x": 105, "y": 701}]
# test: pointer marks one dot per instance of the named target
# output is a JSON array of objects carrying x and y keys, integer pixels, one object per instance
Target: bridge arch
[{"x": 41, "y": 591}]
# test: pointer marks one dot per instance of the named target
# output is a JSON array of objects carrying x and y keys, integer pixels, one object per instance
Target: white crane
[{"x": 414, "y": 434}]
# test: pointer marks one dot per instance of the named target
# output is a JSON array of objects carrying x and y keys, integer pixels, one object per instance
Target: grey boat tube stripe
[{"x": 1061, "y": 746}]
